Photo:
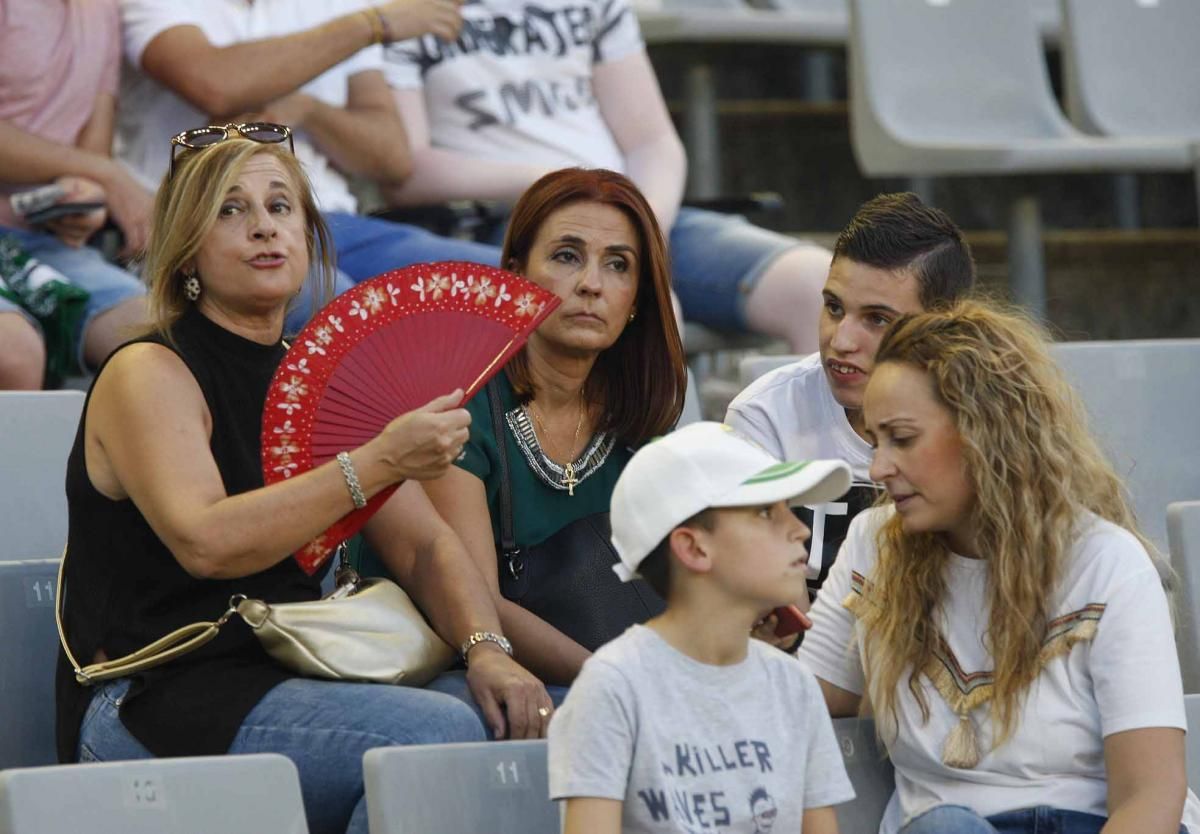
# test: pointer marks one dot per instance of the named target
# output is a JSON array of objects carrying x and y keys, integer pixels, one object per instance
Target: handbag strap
[
  {"x": 176, "y": 644},
  {"x": 508, "y": 542}
]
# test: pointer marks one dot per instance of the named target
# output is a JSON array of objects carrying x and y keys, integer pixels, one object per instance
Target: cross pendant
[{"x": 569, "y": 479}]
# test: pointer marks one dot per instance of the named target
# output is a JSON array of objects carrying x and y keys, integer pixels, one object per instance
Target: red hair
[{"x": 639, "y": 380}]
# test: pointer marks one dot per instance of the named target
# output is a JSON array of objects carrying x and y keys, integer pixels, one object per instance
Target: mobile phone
[
  {"x": 790, "y": 620},
  {"x": 58, "y": 210},
  {"x": 25, "y": 203}
]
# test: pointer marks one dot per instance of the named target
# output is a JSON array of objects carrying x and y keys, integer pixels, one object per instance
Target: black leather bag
[{"x": 568, "y": 579}]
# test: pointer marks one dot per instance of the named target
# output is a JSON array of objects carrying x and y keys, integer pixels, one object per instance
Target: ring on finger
[{"x": 543, "y": 711}]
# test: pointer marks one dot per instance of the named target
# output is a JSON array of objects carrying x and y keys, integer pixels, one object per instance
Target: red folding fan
[{"x": 389, "y": 345}]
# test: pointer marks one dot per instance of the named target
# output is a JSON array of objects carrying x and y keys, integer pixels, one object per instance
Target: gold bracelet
[
  {"x": 385, "y": 29},
  {"x": 375, "y": 21}
]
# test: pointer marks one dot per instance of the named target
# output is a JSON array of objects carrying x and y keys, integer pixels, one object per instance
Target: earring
[
  {"x": 191, "y": 286},
  {"x": 632, "y": 315}
]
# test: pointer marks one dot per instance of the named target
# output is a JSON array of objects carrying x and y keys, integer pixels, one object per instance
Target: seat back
[
  {"x": 229, "y": 794},
  {"x": 1192, "y": 704},
  {"x": 952, "y": 72},
  {"x": 752, "y": 367},
  {"x": 37, "y": 429},
  {"x": 1142, "y": 398},
  {"x": 870, "y": 773},
  {"x": 1131, "y": 66},
  {"x": 28, "y": 653},
  {"x": 497, "y": 787},
  {"x": 1183, "y": 532}
]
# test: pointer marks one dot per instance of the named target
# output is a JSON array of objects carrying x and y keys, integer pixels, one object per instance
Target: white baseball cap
[{"x": 706, "y": 465}]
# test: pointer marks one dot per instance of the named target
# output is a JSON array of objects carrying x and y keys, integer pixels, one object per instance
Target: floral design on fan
[
  {"x": 482, "y": 288},
  {"x": 294, "y": 388},
  {"x": 301, "y": 382}
]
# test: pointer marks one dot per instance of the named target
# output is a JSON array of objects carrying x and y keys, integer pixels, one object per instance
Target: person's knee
[
  {"x": 22, "y": 354},
  {"x": 116, "y": 325},
  {"x": 948, "y": 819},
  {"x": 446, "y": 721}
]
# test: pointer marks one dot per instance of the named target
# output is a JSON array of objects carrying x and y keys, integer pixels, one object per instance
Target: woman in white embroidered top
[{"x": 1007, "y": 624}]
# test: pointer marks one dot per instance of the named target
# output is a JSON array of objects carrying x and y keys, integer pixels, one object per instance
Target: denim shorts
[
  {"x": 107, "y": 284},
  {"x": 716, "y": 261}
]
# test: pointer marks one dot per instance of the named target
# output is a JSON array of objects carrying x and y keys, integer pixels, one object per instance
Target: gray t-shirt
[{"x": 691, "y": 747}]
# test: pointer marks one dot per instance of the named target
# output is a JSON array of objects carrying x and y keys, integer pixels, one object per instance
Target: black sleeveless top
[{"x": 124, "y": 589}]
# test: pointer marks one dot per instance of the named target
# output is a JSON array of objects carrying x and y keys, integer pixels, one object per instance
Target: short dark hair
[
  {"x": 898, "y": 231},
  {"x": 656, "y": 567}
]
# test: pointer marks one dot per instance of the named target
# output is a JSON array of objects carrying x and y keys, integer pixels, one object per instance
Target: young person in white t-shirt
[
  {"x": 1006, "y": 622},
  {"x": 686, "y": 724},
  {"x": 529, "y": 87},
  {"x": 897, "y": 255}
]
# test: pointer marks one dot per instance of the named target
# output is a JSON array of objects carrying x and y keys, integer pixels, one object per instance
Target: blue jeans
[
  {"x": 368, "y": 246},
  {"x": 107, "y": 284},
  {"x": 325, "y": 727},
  {"x": 955, "y": 819},
  {"x": 455, "y": 683}
]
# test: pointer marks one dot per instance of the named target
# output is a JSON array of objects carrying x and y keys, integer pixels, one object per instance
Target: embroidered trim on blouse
[
  {"x": 966, "y": 691},
  {"x": 549, "y": 472}
]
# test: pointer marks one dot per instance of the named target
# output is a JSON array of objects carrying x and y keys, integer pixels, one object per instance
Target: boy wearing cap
[{"x": 686, "y": 724}]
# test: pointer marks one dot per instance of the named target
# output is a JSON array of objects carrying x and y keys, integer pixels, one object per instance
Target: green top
[{"x": 539, "y": 509}]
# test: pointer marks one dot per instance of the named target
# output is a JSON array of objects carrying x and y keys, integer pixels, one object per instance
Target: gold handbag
[{"x": 364, "y": 630}]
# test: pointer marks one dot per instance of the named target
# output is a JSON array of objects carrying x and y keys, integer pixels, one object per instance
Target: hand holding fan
[{"x": 384, "y": 348}]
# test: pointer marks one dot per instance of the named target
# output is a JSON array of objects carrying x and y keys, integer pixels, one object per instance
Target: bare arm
[
  {"x": 29, "y": 159},
  {"x": 633, "y": 108},
  {"x": 439, "y": 175},
  {"x": 365, "y": 137},
  {"x": 460, "y": 499},
  {"x": 148, "y": 433},
  {"x": 591, "y": 815},
  {"x": 1147, "y": 782},
  {"x": 842, "y": 703},
  {"x": 247, "y": 76},
  {"x": 430, "y": 563},
  {"x": 820, "y": 821}
]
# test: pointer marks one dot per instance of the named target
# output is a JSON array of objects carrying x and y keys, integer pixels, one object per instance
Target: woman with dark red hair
[{"x": 601, "y": 376}]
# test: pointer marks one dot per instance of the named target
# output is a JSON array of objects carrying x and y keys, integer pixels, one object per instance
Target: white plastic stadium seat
[
  {"x": 28, "y": 652},
  {"x": 870, "y": 773},
  {"x": 1183, "y": 531},
  {"x": 497, "y": 787},
  {"x": 37, "y": 429},
  {"x": 226, "y": 794}
]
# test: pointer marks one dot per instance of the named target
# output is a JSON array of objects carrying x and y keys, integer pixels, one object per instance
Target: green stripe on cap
[{"x": 774, "y": 473}]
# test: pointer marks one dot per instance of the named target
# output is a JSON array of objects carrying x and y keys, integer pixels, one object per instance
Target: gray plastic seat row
[
  {"x": 257, "y": 794},
  {"x": 37, "y": 429},
  {"x": 960, "y": 87}
]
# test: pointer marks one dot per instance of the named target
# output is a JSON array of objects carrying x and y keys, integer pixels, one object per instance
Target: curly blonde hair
[{"x": 1036, "y": 472}]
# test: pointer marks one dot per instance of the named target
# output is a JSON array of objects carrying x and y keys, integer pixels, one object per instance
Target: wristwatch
[{"x": 484, "y": 637}]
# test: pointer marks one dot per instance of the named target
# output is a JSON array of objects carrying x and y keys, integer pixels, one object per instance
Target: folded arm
[{"x": 247, "y": 76}]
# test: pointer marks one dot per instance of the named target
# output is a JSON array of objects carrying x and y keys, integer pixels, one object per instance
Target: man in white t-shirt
[
  {"x": 896, "y": 256},
  {"x": 315, "y": 65},
  {"x": 531, "y": 87}
]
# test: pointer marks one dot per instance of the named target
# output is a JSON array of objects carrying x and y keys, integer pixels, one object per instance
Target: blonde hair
[
  {"x": 1036, "y": 471},
  {"x": 186, "y": 209}
]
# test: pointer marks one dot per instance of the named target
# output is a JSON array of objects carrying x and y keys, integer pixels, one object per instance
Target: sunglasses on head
[{"x": 199, "y": 138}]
